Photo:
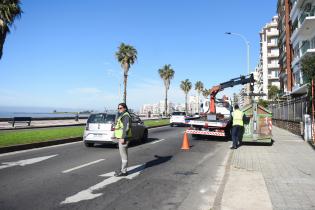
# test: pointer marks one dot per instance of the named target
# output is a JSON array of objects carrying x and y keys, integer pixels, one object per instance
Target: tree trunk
[
  {"x": 198, "y": 102},
  {"x": 2, "y": 39},
  {"x": 165, "y": 105},
  {"x": 125, "y": 88},
  {"x": 186, "y": 104}
]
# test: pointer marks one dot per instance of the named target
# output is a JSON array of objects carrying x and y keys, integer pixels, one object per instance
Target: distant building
[
  {"x": 192, "y": 104},
  {"x": 268, "y": 67}
]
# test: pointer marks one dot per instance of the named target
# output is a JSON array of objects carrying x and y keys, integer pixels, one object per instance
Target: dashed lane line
[
  {"x": 157, "y": 141},
  {"x": 81, "y": 166}
]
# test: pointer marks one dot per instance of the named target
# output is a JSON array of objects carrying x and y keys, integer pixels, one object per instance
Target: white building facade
[
  {"x": 302, "y": 16},
  {"x": 268, "y": 67}
]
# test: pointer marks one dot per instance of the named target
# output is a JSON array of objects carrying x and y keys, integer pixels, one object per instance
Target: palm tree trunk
[
  {"x": 125, "y": 88},
  {"x": 165, "y": 105},
  {"x": 2, "y": 39},
  {"x": 186, "y": 104},
  {"x": 198, "y": 102}
]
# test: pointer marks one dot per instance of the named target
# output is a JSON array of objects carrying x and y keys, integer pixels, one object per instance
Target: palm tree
[
  {"x": 205, "y": 93},
  {"x": 126, "y": 56},
  {"x": 199, "y": 88},
  {"x": 166, "y": 74},
  {"x": 9, "y": 10},
  {"x": 186, "y": 87}
]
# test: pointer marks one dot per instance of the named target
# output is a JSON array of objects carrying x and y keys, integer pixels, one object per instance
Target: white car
[
  {"x": 100, "y": 129},
  {"x": 178, "y": 118}
]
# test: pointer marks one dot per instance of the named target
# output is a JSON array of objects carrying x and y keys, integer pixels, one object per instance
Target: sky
[{"x": 61, "y": 54}]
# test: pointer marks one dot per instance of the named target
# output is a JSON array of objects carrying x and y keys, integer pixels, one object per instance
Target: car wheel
[
  {"x": 171, "y": 125},
  {"x": 145, "y": 136},
  {"x": 88, "y": 144}
]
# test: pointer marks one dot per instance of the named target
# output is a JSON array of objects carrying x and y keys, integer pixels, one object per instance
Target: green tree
[
  {"x": 9, "y": 11},
  {"x": 199, "y": 88},
  {"x": 126, "y": 56},
  {"x": 308, "y": 69},
  {"x": 166, "y": 73},
  {"x": 205, "y": 93},
  {"x": 186, "y": 87},
  {"x": 273, "y": 92},
  {"x": 263, "y": 103}
]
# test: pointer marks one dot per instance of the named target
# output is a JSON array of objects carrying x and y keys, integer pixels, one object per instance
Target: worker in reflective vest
[
  {"x": 237, "y": 126},
  {"x": 123, "y": 135}
]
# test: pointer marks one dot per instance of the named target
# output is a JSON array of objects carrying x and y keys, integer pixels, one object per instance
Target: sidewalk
[{"x": 281, "y": 176}]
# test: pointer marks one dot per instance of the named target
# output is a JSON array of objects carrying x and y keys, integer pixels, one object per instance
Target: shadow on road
[{"x": 157, "y": 161}]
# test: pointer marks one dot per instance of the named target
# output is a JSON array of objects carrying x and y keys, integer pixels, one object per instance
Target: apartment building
[
  {"x": 296, "y": 27},
  {"x": 302, "y": 17},
  {"x": 268, "y": 66}
]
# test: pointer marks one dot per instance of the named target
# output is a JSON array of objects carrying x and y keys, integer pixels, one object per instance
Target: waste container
[{"x": 259, "y": 127}]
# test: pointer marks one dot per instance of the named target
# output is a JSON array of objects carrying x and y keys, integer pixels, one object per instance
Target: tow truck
[{"x": 216, "y": 117}]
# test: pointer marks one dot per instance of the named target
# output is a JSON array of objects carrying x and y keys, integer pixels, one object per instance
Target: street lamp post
[{"x": 247, "y": 46}]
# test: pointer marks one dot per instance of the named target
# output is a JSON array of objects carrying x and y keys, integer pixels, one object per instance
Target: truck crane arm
[{"x": 242, "y": 80}]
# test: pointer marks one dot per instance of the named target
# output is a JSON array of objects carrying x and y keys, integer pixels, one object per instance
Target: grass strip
[
  {"x": 156, "y": 122},
  {"x": 16, "y": 137},
  {"x": 38, "y": 135}
]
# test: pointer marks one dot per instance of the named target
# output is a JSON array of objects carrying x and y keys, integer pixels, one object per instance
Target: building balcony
[
  {"x": 272, "y": 44},
  {"x": 295, "y": 61},
  {"x": 273, "y": 66},
  {"x": 273, "y": 55},
  {"x": 299, "y": 89},
  {"x": 272, "y": 33},
  {"x": 307, "y": 27},
  {"x": 295, "y": 6},
  {"x": 272, "y": 77},
  {"x": 307, "y": 52}
]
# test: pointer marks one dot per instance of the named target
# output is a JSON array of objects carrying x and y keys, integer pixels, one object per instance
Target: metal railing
[{"x": 290, "y": 110}]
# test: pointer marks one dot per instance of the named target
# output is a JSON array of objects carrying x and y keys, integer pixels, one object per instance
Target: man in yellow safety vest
[
  {"x": 123, "y": 135},
  {"x": 237, "y": 126}
]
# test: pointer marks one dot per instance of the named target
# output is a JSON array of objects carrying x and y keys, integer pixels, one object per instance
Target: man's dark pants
[{"x": 236, "y": 134}]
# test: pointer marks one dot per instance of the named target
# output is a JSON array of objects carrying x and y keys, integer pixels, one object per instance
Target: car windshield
[
  {"x": 179, "y": 113},
  {"x": 101, "y": 118}
]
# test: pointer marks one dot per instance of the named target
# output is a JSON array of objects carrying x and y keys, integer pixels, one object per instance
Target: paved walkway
[
  {"x": 42, "y": 123},
  {"x": 281, "y": 176}
]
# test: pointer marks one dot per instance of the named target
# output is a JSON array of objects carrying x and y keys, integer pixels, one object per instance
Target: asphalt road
[{"x": 72, "y": 176}]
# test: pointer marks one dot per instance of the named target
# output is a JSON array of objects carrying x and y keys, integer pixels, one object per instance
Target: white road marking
[
  {"x": 88, "y": 193},
  {"x": 41, "y": 148},
  {"x": 25, "y": 162},
  {"x": 81, "y": 166},
  {"x": 157, "y": 141}
]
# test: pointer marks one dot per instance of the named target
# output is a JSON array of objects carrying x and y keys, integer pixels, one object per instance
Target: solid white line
[
  {"x": 35, "y": 149},
  {"x": 157, "y": 141},
  {"x": 81, "y": 166}
]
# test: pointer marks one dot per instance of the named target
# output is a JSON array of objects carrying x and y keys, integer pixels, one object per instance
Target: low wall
[{"x": 293, "y": 127}]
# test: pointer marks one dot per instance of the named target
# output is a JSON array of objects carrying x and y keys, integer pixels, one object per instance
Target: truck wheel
[{"x": 171, "y": 125}]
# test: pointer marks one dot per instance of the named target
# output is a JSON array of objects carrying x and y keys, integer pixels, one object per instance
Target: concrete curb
[{"x": 48, "y": 143}]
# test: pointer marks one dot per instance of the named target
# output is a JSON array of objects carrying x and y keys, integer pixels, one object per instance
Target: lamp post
[{"x": 247, "y": 46}]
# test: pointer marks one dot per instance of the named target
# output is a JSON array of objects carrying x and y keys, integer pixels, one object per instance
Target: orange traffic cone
[{"x": 185, "y": 145}]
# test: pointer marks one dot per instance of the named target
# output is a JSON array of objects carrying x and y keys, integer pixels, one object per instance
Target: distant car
[
  {"x": 178, "y": 118},
  {"x": 196, "y": 115},
  {"x": 100, "y": 129}
]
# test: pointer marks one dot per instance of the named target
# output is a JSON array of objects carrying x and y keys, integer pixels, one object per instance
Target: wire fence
[{"x": 290, "y": 110}]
